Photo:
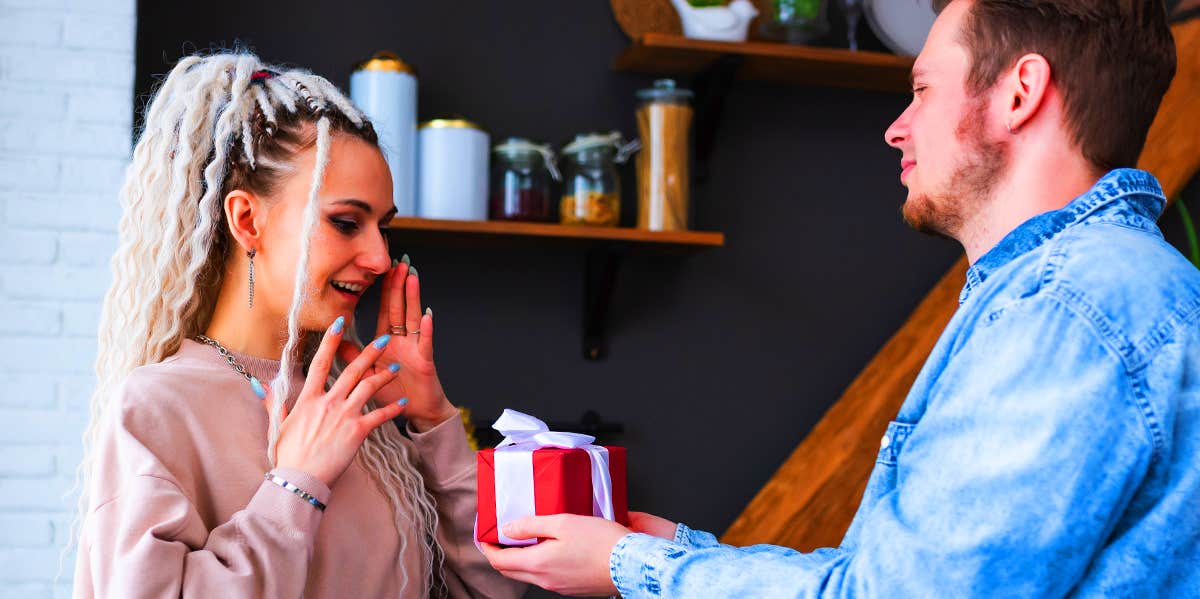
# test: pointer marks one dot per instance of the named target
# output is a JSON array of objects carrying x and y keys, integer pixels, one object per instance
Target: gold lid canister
[
  {"x": 449, "y": 124},
  {"x": 387, "y": 62}
]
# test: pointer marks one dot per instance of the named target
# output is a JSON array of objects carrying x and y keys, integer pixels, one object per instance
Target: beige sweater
[{"x": 179, "y": 507}]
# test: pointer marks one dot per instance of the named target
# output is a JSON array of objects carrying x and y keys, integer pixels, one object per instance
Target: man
[{"x": 1051, "y": 444}]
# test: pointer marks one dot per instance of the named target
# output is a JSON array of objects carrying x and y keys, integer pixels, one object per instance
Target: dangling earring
[{"x": 250, "y": 296}]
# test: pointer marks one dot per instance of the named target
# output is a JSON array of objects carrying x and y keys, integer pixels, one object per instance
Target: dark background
[{"x": 720, "y": 362}]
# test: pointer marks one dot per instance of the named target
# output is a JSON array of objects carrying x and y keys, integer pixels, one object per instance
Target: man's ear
[
  {"x": 246, "y": 213},
  {"x": 1026, "y": 85}
]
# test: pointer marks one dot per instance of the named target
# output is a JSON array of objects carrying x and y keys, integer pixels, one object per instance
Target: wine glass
[{"x": 853, "y": 10}]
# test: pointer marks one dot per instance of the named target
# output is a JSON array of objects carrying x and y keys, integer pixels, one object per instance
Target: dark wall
[{"x": 720, "y": 362}]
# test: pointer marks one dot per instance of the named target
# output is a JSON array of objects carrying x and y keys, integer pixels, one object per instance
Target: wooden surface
[
  {"x": 665, "y": 54},
  {"x": 811, "y": 499},
  {"x": 639, "y": 17},
  {"x": 474, "y": 233},
  {"x": 1172, "y": 151}
]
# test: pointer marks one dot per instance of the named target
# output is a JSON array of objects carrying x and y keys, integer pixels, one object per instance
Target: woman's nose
[{"x": 376, "y": 258}]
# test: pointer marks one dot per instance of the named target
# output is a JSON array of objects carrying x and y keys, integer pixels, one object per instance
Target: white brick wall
[{"x": 66, "y": 89}]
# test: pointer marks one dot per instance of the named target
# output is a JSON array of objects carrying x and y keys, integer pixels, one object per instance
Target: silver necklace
[{"x": 225, "y": 353}]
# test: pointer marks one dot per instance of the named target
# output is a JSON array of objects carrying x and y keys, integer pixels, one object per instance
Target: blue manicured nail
[
  {"x": 381, "y": 342},
  {"x": 412, "y": 270},
  {"x": 258, "y": 388},
  {"x": 394, "y": 367},
  {"x": 405, "y": 259},
  {"x": 337, "y": 325},
  {"x": 403, "y": 402}
]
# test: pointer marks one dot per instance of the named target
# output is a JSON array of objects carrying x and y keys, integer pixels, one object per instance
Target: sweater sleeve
[
  {"x": 448, "y": 465},
  {"x": 144, "y": 536}
]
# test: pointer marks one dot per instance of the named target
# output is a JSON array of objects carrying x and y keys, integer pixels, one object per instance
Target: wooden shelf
[
  {"x": 665, "y": 54},
  {"x": 472, "y": 233}
]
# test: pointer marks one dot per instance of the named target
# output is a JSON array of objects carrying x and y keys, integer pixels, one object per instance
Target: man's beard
[{"x": 944, "y": 211}]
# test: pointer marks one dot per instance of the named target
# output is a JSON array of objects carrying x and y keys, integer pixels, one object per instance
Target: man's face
[{"x": 951, "y": 160}]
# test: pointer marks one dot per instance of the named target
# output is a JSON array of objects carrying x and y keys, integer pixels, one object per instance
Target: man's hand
[
  {"x": 652, "y": 525},
  {"x": 571, "y": 559}
]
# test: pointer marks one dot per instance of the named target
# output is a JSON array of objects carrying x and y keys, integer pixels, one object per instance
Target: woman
[{"x": 254, "y": 215}]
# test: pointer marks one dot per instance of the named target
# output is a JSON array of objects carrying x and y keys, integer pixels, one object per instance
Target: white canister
[
  {"x": 452, "y": 170},
  {"x": 385, "y": 88}
]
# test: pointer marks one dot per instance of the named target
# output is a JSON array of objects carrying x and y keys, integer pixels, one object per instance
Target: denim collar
[{"x": 1134, "y": 189}]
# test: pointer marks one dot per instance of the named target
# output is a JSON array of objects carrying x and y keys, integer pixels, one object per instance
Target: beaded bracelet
[{"x": 297, "y": 490}]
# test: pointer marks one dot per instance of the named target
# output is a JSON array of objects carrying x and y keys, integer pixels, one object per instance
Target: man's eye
[
  {"x": 918, "y": 90},
  {"x": 344, "y": 225}
]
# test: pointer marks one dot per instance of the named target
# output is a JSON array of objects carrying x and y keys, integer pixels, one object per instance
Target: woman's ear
[{"x": 246, "y": 213}]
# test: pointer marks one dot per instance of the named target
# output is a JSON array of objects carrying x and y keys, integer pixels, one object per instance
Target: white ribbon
[{"x": 523, "y": 434}]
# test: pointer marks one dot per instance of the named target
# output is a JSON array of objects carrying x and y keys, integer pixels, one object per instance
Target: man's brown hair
[{"x": 1111, "y": 59}]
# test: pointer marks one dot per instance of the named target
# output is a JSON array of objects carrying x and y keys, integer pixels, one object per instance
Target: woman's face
[{"x": 349, "y": 248}]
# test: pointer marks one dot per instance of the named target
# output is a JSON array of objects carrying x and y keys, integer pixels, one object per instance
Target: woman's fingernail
[
  {"x": 394, "y": 367},
  {"x": 381, "y": 342},
  {"x": 403, "y": 402},
  {"x": 395, "y": 263},
  {"x": 258, "y": 388},
  {"x": 405, "y": 259},
  {"x": 429, "y": 311},
  {"x": 412, "y": 270},
  {"x": 337, "y": 325}
]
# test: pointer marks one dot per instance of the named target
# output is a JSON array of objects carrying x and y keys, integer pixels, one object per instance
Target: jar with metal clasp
[
  {"x": 523, "y": 173},
  {"x": 591, "y": 183}
]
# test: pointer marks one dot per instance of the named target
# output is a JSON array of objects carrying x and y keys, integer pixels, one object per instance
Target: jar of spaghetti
[
  {"x": 664, "y": 116},
  {"x": 591, "y": 184}
]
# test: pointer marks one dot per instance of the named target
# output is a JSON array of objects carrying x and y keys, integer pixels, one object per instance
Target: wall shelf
[
  {"x": 605, "y": 246},
  {"x": 493, "y": 233},
  {"x": 666, "y": 54}
]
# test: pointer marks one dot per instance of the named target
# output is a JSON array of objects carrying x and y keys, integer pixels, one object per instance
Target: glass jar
[
  {"x": 664, "y": 117},
  {"x": 522, "y": 172},
  {"x": 591, "y": 183}
]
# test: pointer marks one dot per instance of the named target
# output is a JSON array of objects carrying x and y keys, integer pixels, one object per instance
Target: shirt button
[{"x": 885, "y": 442}]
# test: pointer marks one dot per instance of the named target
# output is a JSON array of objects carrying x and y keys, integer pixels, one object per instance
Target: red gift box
[{"x": 562, "y": 484}]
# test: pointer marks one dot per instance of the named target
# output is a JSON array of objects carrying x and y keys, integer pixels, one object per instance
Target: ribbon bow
[{"x": 525, "y": 431}]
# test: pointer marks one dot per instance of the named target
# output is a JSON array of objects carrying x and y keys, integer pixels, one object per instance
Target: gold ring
[{"x": 398, "y": 329}]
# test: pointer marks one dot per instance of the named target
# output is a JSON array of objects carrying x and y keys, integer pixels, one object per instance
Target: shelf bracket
[
  {"x": 600, "y": 276},
  {"x": 711, "y": 86}
]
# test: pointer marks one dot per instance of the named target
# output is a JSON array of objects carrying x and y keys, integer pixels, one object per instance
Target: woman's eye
[{"x": 344, "y": 225}]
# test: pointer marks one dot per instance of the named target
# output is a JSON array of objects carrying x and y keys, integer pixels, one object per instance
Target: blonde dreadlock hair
[{"x": 217, "y": 123}]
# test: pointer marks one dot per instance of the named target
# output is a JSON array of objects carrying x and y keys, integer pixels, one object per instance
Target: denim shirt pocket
[
  {"x": 882, "y": 480},
  {"x": 892, "y": 442}
]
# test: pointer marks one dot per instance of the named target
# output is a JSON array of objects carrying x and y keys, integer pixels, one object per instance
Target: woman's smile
[{"x": 350, "y": 290}]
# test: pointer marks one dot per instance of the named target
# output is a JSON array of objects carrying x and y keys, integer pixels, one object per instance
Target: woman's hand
[
  {"x": 400, "y": 306},
  {"x": 323, "y": 431}
]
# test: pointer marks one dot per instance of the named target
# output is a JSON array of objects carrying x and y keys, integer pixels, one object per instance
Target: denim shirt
[{"x": 1049, "y": 447}]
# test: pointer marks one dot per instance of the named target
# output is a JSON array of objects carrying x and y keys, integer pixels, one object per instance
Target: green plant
[
  {"x": 706, "y": 3},
  {"x": 1190, "y": 228}
]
